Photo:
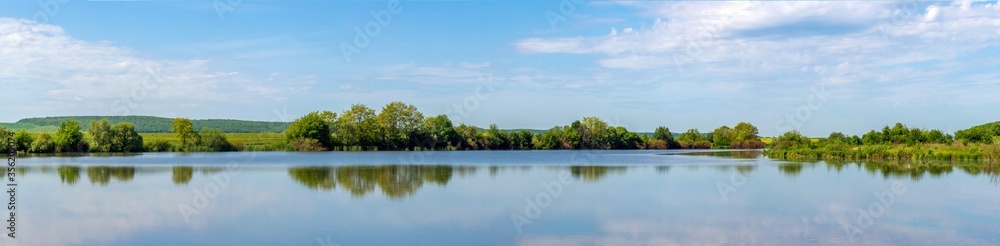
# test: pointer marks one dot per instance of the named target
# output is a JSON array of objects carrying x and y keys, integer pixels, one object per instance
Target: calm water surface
[{"x": 497, "y": 198}]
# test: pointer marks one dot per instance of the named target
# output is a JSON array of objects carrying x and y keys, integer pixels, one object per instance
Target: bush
[
  {"x": 158, "y": 146},
  {"x": 213, "y": 140},
  {"x": 748, "y": 144},
  {"x": 43, "y": 144},
  {"x": 654, "y": 144},
  {"x": 307, "y": 144},
  {"x": 700, "y": 144}
]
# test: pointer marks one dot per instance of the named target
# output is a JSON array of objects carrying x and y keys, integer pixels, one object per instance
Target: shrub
[{"x": 158, "y": 146}]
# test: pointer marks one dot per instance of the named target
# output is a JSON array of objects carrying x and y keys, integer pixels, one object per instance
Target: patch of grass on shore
[{"x": 922, "y": 152}]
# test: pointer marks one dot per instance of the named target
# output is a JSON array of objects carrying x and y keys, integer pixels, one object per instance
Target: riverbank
[{"x": 887, "y": 152}]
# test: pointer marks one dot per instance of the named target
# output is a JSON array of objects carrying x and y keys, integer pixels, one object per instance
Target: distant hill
[{"x": 155, "y": 124}]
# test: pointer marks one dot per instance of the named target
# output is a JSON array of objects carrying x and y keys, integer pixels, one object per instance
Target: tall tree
[
  {"x": 100, "y": 130},
  {"x": 43, "y": 144},
  {"x": 184, "y": 130},
  {"x": 22, "y": 140},
  {"x": 691, "y": 136},
  {"x": 357, "y": 127},
  {"x": 398, "y": 122},
  {"x": 440, "y": 131},
  {"x": 594, "y": 133},
  {"x": 722, "y": 137},
  {"x": 663, "y": 133},
  {"x": 125, "y": 138},
  {"x": 69, "y": 138},
  {"x": 314, "y": 125}
]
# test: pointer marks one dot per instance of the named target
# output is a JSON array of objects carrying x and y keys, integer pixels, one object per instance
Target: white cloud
[{"x": 60, "y": 68}]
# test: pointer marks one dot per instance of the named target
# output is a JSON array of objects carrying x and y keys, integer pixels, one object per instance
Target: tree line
[
  {"x": 152, "y": 124},
  {"x": 400, "y": 126},
  {"x": 120, "y": 137}
]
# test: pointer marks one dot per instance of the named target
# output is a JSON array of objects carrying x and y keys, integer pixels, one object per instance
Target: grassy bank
[{"x": 887, "y": 152}]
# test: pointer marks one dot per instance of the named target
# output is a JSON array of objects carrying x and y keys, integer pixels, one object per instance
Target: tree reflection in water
[
  {"x": 182, "y": 174},
  {"x": 69, "y": 174},
  {"x": 395, "y": 181},
  {"x": 102, "y": 174}
]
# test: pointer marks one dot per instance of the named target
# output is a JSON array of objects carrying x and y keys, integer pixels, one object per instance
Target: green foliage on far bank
[
  {"x": 891, "y": 143},
  {"x": 149, "y": 124}
]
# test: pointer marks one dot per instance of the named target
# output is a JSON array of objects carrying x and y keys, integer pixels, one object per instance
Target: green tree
[
  {"x": 593, "y": 133},
  {"x": 495, "y": 138},
  {"x": 100, "y": 130},
  {"x": 548, "y": 140},
  {"x": 663, "y": 133},
  {"x": 791, "y": 140},
  {"x": 357, "y": 127},
  {"x": 873, "y": 138},
  {"x": 310, "y": 126},
  {"x": 521, "y": 139},
  {"x": 440, "y": 132},
  {"x": 690, "y": 136},
  {"x": 184, "y": 130},
  {"x": 745, "y": 137},
  {"x": 471, "y": 139},
  {"x": 22, "y": 140},
  {"x": 125, "y": 138},
  {"x": 43, "y": 144},
  {"x": 69, "y": 138},
  {"x": 213, "y": 139},
  {"x": 722, "y": 137},
  {"x": 398, "y": 122}
]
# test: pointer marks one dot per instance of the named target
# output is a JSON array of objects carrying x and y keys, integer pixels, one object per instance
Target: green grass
[
  {"x": 30, "y": 128},
  {"x": 923, "y": 152},
  {"x": 242, "y": 141}
]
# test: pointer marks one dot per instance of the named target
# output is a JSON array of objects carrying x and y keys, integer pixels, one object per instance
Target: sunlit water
[{"x": 496, "y": 198}]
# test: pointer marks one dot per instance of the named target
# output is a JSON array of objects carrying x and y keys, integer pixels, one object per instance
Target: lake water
[{"x": 496, "y": 198}]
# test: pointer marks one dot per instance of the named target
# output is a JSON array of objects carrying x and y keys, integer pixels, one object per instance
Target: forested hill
[{"x": 160, "y": 124}]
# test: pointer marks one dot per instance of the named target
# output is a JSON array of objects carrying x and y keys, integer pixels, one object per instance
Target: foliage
[
  {"x": 22, "y": 140},
  {"x": 311, "y": 126},
  {"x": 158, "y": 146},
  {"x": 124, "y": 138},
  {"x": 151, "y": 124},
  {"x": 722, "y": 137},
  {"x": 100, "y": 132},
  {"x": 214, "y": 140},
  {"x": 662, "y": 133},
  {"x": 985, "y": 133},
  {"x": 357, "y": 126},
  {"x": 398, "y": 124},
  {"x": 69, "y": 138},
  {"x": 43, "y": 144},
  {"x": 790, "y": 140},
  {"x": 184, "y": 130}
]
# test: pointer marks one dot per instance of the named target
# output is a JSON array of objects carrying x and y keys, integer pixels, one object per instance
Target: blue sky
[{"x": 812, "y": 66}]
